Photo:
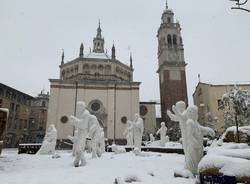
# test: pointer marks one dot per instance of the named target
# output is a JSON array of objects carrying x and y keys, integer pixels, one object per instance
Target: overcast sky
[{"x": 33, "y": 33}]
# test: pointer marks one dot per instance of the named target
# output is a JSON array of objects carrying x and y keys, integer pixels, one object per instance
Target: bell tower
[
  {"x": 171, "y": 64},
  {"x": 98, "y": 41}
]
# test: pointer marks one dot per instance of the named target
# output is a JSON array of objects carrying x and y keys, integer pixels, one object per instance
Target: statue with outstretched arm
[{"x": 80, "y": 121}]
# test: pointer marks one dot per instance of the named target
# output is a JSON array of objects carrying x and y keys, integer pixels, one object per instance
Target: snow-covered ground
[
  {"x": 155, "y": 168},
  {"x": 232, "y": 159}
]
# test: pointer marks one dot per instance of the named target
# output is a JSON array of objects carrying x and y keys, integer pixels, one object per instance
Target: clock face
[{"x": 172, "y": 56}]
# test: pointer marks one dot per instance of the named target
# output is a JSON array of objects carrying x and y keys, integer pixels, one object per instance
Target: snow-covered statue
[
  {"x": 162, "y": 131},
  {"x": 129, "y": 133},
  {"x": 117, "y": 150},
  {"x": 193, "y": 143},
  {"x": 49, "y": 142},
  {"x": 95, "y": 135},
  {"x": 138, "y": 131},
  {"x": 80, "y": 121},
  {"x": 179, "y": 116},
  {"x": 152, "y": 138},
  {"x": 102, "y": 142},
  {"x": 73, "y": 140},
  {"x": 194, "y": 148}
]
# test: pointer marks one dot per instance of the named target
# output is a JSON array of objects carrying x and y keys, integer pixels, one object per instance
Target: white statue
[
  {"x": 180, "y": 116},
  {"x": 102, "y": 142},
  {"x": 193, "y": 143},
  {"x": 49, "y": 142},
  {"x": 138, "y": 131},
  {"x": 117, "y": 150},
  {"x": 129, "y": 133},
  {"x": 95, "y": 135},
  {"x": 81, "y": 123},
  {"x": 73, "y": 140},
  {"x": 152, "y": 138},
  {"x": 194, "y": 148},
  {"x": 162, "y": 131}
]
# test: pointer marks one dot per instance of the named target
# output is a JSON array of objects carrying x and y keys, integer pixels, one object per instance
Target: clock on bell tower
[{"x": 171, "y": 64}]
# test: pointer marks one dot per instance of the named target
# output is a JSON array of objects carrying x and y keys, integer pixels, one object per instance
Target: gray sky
[{"x": 33, "y": 33}]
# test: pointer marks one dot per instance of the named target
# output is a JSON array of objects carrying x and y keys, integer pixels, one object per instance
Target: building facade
[
  {"x": 148, "y": 114},
  {"x": 207, "y": 97},
  {"x": 20, "y": 106},
  {"x": 171, "y": 62},
  {"x": 103, "y": 82},
  {"x": 38, "y": 118}
]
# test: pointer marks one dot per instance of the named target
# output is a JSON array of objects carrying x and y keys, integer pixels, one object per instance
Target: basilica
[{"x": 103, "y": 82}]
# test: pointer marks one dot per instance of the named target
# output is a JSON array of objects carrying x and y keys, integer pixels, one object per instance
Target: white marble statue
[
  {"x": 138, "y": 131},
  {"x": 73, "y": 140},
  {"x": 194, "y": 148},
  {"x": 152, "y": 138},
  {"x": 129, "y": 133},
  {"x": 162, "y": 131},
  {"x": 102, "y": 142},
  {"x": 49, "y": 142},
  {"x": 95, "y": 135},
  {"x": 117, "y": 150},
  {"x": 81, "y": 123},
  {"x": 193, "y": 136}
]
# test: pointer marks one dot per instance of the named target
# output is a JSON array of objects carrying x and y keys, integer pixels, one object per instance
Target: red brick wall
[{"x": 172, "y": 91}]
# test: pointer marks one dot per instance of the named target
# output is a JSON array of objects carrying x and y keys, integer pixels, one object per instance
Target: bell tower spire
[{"x": 98, "y": 41}]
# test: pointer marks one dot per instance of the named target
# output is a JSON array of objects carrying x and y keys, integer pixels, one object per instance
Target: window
[
  {"x": 95, "y": 106},
  {"x": 175, "y": 40},
  {"x": 143, "y": 110},
  {"x": 169, "y": 38},
  {"x": 220, "y": 104},
  {"x": 124, "y": 119},
  {"x": 12, "y": 106},
  {"x": 169, "y": 20},
  {"x": 43, "y": 104}
]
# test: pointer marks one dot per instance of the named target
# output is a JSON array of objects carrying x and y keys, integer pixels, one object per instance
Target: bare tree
[{"x": 239, "y": 4}]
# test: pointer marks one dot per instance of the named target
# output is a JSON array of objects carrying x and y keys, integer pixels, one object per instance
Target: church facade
[
  {"x": 103, "y": 82},
  {"x": 171, "y": 65}
]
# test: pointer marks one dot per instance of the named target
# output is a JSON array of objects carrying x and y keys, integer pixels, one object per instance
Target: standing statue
[
  {"x": 180, "y": 116},
  {"x": 193, "y": 143},
  {"x": 102, "y": 142},
  {"x": 49, "y": 142},
  {"x": 138, "y": 131},
  {"x": 95, "y": 135},
  {"x": 73, "y": 140},
  {"x": 152, "y": 138},
  {"x": 81, "y": 123},
  {"x": 129, "y": 133},
  {"x": 162, "y": 131}
]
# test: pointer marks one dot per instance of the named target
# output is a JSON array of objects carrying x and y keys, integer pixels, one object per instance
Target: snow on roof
[
  {"x": 96, "y": 55},
  {"x": 5, "y": 110}
]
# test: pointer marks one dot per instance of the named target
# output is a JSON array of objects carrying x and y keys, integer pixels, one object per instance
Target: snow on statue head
[
  {"x": 181, "y": 106},
  {"x": 80, "y": 107},
  {"x": 192, "y": 112},
  {"x": 136, "y": 116}
]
